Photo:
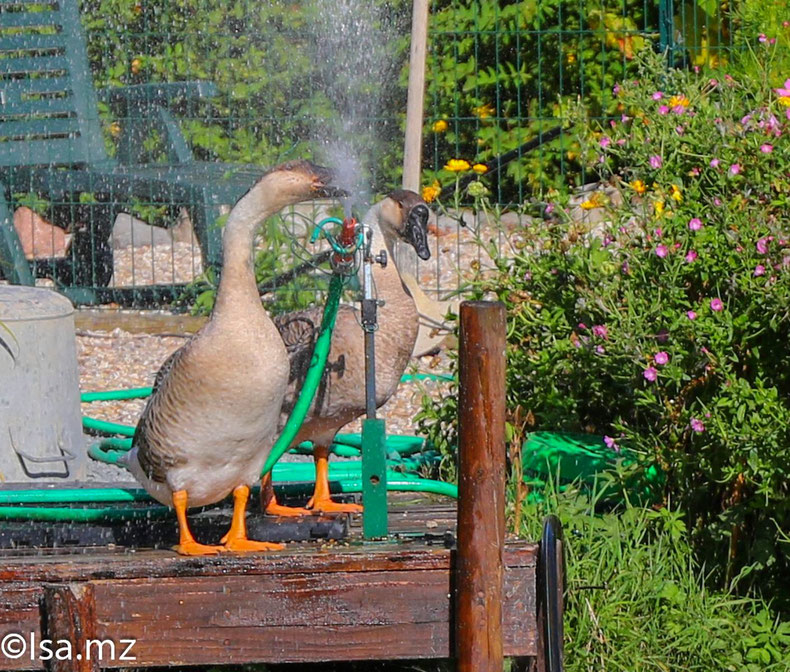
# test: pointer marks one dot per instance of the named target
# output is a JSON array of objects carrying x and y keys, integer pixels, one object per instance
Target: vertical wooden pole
[
  {"x": 481, "y": 487},
  {"x": 70, "y": 612},
  {"x": 412, "y": 146}
]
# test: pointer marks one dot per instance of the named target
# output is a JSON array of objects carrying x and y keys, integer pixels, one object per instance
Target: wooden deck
[{"x": 315, "y": 601}]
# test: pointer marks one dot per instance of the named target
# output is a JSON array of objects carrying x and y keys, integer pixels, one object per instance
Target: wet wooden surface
[
  {"x": 311, "y": 602},
  {"x": 481, "y": 486}
]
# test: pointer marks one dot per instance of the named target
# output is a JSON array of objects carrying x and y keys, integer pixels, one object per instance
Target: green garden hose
[
  {"x": 313, "y": 378},
  {"x": 345, "y": 477}
]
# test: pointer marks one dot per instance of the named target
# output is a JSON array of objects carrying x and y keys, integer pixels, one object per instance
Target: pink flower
[
  {"x": 624, "y": 118},
  {"x": 783, "y": 93},
  {"x": 581, "y": 325},
  {"x": 650, "y": 373},
  {"x": 661, "y": 358},
  {"x": 616, "y": 89},
  {"x": 657, "y": 232},
  {"x": 658, "y": 95},
  {"x": 695, "y": 223},
  {"x": 691, "y": 255},
  {"x": 766, "y": 148},
  {"x": 762, "y": 38},
  {"x": 610, "y": 443},
  {"x": 716, "y": 305},
  {"x": 549, "y": 208},
  {"x": 691, "y": 315},
  {"x": 600, "y": 330},
  {"x": 716, "y": 201},
  {"x": 697, "y": 425},
  {"x": 762, "y": 246},
  {"x": 759, "y": 270},
  {"x": 663, "y": 109},
  {"x": 661, "y": 251},
  {"x": 679, "y": 109},
  {"x": 621, "y": 142},
  {"x": 605, "y": 141},
  {"x": 600, "y": 349},
  {"x": 714, "y": 82},
  {"x": 656, "y": 161},
  {"x": 735, "y": 169},
  {"x": 680, "y": 130},
  {"x": 714, "y": 163}
]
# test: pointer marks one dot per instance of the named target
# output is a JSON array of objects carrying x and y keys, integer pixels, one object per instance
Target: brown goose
[
  {"x": 209, "y": 425},
  {"x": 340, "y": 398}
]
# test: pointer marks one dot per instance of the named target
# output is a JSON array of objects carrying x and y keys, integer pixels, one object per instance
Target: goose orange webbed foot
[
  {"x": 270, "y": 505},
  {"x": 186, "y": 542},
  {"x": 327, "y": 505},
  {"x": 236, "y": 538},
  {"x": 195, "y": 548},
  {"x": 275, "y": 509},
  {"x": 321, "y": 501}
]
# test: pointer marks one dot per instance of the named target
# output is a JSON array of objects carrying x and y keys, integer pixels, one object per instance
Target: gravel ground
[{"x": 119, "y": 360}]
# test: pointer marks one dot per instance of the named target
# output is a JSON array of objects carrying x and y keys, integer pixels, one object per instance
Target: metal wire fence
[{"x": 291, "y": 79}]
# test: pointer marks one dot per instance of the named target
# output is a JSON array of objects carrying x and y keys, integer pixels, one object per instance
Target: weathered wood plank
[
  {"x": 155, "y": 564},
  {"x": 481, "y": 487},
  {"x": 70, "y": 616},
  {"x": 257, "y": 610}
]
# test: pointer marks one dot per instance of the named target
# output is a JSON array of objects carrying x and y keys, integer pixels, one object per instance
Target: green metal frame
[{"x": 52, "y": 145}]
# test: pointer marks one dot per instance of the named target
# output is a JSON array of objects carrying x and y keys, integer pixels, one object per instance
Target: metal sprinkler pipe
[{"x": 374, "y": 451}]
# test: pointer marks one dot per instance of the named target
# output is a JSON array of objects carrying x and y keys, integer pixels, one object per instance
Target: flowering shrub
[{"x": 667, "y": 327}]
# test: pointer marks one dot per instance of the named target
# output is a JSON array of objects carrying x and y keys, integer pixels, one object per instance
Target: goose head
[
  {"x": 404, "y": 215},
  {"x": 300, "y": 180}
]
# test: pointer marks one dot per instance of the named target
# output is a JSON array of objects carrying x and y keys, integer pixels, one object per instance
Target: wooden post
[
  {"x": 481, "y": 487},
  {"x": 70, "y": 612},
  {"x": 412, "y": 145}
]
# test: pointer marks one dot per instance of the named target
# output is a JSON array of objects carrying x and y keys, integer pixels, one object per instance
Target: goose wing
[{"x": 153, "y": 462}]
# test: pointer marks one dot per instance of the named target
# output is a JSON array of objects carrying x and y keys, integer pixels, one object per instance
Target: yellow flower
[
  {"x": 674, "y": 101},
  {"x": 676, "y": 193},
  {"x": 484, "y": 111},
  {"x": 457, "y": 165},
  {"x": 658, "y": 206},
  {"x": 593, "y": 202},
  {"x": 137, "y": 65},
  {"x": 785, "y": 100},
  {"x": 480, "y": 168},
  {"x": 638, "y": 186},
  {"x": 439, "y": 126},
  {"x": 571, "y": 58},
  {"x": 115, "y": 129},
  {"x": 571, "y": 155},
  {"x": 429, "y": 194}
]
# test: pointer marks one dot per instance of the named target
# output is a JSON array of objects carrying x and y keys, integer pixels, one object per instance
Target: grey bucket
[{"x": 41, "y": 436}]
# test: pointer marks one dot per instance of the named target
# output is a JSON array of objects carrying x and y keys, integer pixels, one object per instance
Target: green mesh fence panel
[{"x": 290, "y": 79}]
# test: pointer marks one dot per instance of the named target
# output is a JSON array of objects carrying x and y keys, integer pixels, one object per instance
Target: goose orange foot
[
  {"x": 321, "y": 500},
  {"x": 186, "y": 542},
  {"x": 194, "y": 548},
  {"x": 236, "y": 538},
  {"x": 270, "y": 505}
]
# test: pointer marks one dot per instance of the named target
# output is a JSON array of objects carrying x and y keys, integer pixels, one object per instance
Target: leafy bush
[{"x": 664, "y": 326}]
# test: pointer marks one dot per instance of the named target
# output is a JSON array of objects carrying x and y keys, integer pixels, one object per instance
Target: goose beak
[
  {"x": 417, "y": 230},
  {"x": 329, "y": 191},
  {"x": 323, "y": 186}
]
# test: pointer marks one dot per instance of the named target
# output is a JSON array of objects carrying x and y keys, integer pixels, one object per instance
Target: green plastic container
[{"x": 581, "y": 458}]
